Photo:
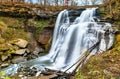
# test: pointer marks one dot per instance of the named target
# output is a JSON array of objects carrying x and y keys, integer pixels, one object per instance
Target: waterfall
[{"x": 72, "y": 43}]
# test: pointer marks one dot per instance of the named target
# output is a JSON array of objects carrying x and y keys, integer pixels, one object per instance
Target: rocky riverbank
[{"x": 20, "y": 41}]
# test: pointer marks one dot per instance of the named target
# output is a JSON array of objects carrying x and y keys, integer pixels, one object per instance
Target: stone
[
  {"x": 20, "y": 51},
  {"x": 21, "y": 43},
  {"x": 4, "y": 65},
  {"x": 4, "y": 57},
  {"x": 37, "y": 51},
  {"x": 18, "y": 59},
  {"x": 27, "y": 51}
]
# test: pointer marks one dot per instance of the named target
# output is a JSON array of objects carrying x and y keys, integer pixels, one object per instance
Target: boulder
[
  {"x": 21, "y": 43},
  {"x": 4, "y": 57},
  {"x": 18, "y": 59},
  {"x": 20, "y": 51},
  {"x": 37, "y": 51},
  {"x": 4, "y": 65}
]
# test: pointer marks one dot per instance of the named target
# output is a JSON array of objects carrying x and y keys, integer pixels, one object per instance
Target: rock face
[
  {"x": 21, "y": 43},
  {"x": 45, "y": 35}
]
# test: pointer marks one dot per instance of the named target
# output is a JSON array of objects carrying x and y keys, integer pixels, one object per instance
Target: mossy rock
[{"x": 8, "y": 50}]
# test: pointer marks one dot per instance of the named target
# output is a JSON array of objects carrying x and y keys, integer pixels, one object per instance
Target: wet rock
[
  {"x": 18, "y": 59},
  {"x": 45, "y": 35},
  {"x": 27, "y": 51},
  {"x": 73, "y": 13},
  {"x": 20, "y": 51},
  {"x": 21, "y": 43},
  {"x": 37, "y": 51}
]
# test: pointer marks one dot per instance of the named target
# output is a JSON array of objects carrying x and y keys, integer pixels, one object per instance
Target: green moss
[
  {"x": 12, "y": 22},
  {"x": 79, "y": 76},
  {"x": 43, "y": 23},
  {"x": 12, "y": 50},
  {"x": 14, "y": 33},
  {"x": 4, "y": 76},
  {"x": 11, "y": 28}
]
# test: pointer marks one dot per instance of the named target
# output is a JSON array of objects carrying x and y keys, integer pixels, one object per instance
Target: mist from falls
[{"x": 72, "y": 44}]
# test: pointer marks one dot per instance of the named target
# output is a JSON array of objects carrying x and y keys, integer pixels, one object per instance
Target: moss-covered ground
[{"x": 103, "y": 66}]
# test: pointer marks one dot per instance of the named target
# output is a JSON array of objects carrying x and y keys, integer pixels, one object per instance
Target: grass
[
  {"x": 4, "y": 76},
  {"x": 41, "y": 24},
  {"x": 103, "y": 66},
  {"x": 12, "y": 28}
]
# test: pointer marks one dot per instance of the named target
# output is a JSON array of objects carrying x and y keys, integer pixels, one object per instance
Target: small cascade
[{"x": 72, "y": 44}]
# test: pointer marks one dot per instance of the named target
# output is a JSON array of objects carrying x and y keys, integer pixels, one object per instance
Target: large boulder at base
[
  {"x": 18, "y": 59},
  {"x": 21, "y": 43}
]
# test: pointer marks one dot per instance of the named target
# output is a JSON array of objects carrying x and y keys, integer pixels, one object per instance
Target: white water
[{"x": 70, "y": 43}]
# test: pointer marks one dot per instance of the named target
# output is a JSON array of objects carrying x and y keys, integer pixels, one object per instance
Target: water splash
[{"x": 70, "y": 43}]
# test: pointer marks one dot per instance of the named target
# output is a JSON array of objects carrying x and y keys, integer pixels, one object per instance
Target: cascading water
[{"x": 70, "y": 43}]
